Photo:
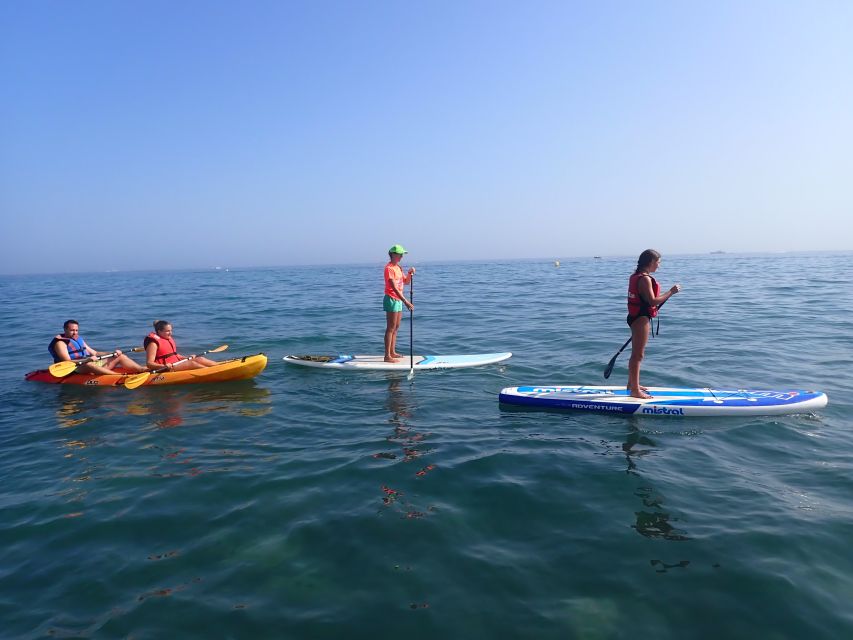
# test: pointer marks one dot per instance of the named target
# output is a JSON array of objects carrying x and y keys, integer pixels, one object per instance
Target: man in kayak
[
  {"x": 394, "y": 300},
  {"x": 70, "y": 346},
  {"x": 162, "y": 351}
]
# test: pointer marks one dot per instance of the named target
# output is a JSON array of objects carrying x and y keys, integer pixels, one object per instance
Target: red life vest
[
  {"x": 636, "y": 305},
  {"x": 167, "y": 350}
]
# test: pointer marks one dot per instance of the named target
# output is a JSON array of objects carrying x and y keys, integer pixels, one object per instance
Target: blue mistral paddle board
[
  {"x": 667, "y": 401},
  {"x": 377, "y": 363}
]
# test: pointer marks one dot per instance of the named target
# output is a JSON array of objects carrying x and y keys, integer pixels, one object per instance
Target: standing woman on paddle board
[
  {"x": 394, "y": 300},
  {"x": 644, "y": 298},
  {"x": 161, "y": 351}
]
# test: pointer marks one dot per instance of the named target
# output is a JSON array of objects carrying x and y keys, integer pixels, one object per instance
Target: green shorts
[{"x": 392, "y": 304}]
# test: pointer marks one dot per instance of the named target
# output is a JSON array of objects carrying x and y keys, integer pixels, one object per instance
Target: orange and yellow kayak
[{"x": 227, "y": 370}]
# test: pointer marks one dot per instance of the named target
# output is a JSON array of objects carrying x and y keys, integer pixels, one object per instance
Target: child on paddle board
[
  {"x": 394, "y": 300},
  {"x": 644, "y": 298},
  {"x": 162, "y": 351}
]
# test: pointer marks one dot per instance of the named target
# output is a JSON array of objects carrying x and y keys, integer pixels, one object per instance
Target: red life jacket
[
  {"x": 636, "y": 305},
  {"x": 167, "y": 350}
]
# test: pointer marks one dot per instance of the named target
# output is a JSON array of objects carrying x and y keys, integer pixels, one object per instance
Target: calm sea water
[{"x": 316, "y": 504}]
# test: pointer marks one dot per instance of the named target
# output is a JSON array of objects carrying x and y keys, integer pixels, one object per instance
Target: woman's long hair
[{"x": 646, "y": 258}]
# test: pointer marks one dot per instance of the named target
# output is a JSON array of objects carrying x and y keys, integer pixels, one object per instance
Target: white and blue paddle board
[
  {"x": 666, "y": 401},
  {"x": 377, "y": 363}
]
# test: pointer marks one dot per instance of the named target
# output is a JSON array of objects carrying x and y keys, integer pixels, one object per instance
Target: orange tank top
[{"x": 394, "y": 273}]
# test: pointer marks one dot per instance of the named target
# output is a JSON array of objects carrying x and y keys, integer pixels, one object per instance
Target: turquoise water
[{"x": 316, "y": 504}]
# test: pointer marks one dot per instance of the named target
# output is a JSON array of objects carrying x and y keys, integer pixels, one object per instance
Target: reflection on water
[
  {"x": 67, "y": 413},
  {"x": 169, "y": 408},
  {"x": 166, "y": 407},
  {"x": 401, "y": 404},
  {"x": 653, "y": 520},
  {"x": 663, "y": 567},
  {"x": 96, "y": 428},
  {"x": 402, "y": 498},
  {"x": 656, "y": 523},
  {"x": 88, "y": 415}
]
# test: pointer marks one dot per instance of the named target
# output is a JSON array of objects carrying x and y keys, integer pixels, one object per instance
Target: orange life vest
[{"x": 167, "y": 350}]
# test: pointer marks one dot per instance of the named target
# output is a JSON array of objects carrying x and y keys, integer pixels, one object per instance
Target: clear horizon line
[{"x": 343, "y": 264}]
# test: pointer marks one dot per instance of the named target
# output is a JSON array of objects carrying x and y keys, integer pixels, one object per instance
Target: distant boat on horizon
[{"x": 717, "y": 252}]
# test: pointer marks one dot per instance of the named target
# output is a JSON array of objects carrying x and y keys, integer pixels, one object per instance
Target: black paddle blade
[
  {"x": 612, "y": 362},
  {"x": 610, "y": 366}
]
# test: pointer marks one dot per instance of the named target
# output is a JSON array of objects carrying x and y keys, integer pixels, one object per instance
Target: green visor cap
[{"x": 397, "y": 248}]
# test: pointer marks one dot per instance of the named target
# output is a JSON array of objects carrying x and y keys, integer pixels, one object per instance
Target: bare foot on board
[{"x": 640, "y": 393}]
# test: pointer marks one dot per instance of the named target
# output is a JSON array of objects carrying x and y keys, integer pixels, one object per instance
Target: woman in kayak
[
  {"x": 644, "y": 298},
  {"x": 394, "y": 300},
  {"x": 161, "y": 351}
]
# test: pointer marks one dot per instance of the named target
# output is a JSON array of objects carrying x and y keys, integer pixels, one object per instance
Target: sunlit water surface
[{"x": 317, "y": 504}]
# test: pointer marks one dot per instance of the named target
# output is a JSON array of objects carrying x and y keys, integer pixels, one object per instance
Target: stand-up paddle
[
  {"x": 411, "y": 328},
  {"x": 66, "y": 367},
  {"x": 140, "y": 378},
  {"x": 609, "y": 369}
]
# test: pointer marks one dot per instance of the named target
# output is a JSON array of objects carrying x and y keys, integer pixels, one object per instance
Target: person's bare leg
[
  {"x": 396, "y": 356},
  {"x": 124, "y": 362},
  {"x": 93, "y": 368},
  {"x": 639, "y": 338},
  {"x": 390, "y": 335},
  {"x": 195, "y": 363},
  {"x": 394, "y": 353}
]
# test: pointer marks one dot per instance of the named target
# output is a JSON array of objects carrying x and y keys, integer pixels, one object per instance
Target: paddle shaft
[
  {"x": 169, "y": 367},
  {"x": 412, "y": 327},
  {"x": 609, "y": 369}
]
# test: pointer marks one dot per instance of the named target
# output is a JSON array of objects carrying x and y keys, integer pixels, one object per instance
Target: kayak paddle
[
  {"x": 612, "y": 362},
  {"x": 65, "y": 367},
  {"x": 140, "y": 378}
]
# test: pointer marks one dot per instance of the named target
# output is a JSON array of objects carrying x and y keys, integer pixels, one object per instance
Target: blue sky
[{"x": 144, "y": 135}]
